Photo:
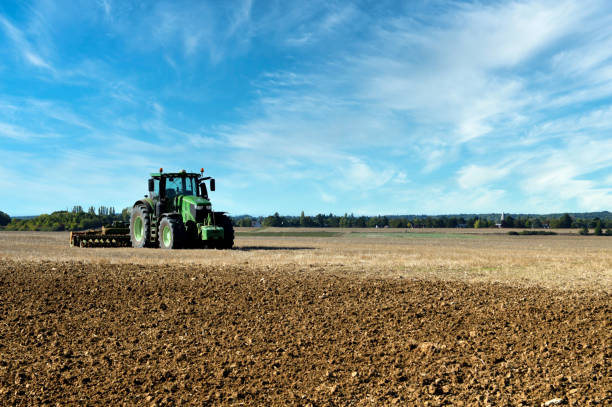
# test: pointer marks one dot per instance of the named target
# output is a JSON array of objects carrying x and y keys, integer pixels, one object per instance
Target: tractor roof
[{"x": 175, "y": 174}]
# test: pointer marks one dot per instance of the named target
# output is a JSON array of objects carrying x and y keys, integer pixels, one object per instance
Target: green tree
[
  {"x": 508, "y": 222},
  {"x": 5, "y": 219},
  {"x": 585, "y": 230},
  {"x": 598, "y": 231},
  {"x": 333, "y": 221},
  {"x": 245, "y": 222},
  {"x": 360, "y": 222},
  {"x": 372, "y": 222},
  {"x": 343, "y": 223},
  {"x": 320, "y": 220},
  {"x": 398, "y": 223},
  {"x": 274, "y": 220},
  {"x": 565, "y": 221}
]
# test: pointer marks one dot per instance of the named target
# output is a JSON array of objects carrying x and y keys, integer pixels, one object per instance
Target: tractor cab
[{"x": 170, "y": 185}]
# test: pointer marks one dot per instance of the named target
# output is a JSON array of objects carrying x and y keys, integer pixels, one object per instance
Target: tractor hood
[
  {"x": 193, "y": 208},
  {"x": 195, "y": 200}
]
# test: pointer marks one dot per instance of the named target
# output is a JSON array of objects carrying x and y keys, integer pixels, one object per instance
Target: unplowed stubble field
[{"x": 349, "y": 320}]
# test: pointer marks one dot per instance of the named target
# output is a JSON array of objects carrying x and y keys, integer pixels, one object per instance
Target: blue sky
[{"x": 374, "y": 107}]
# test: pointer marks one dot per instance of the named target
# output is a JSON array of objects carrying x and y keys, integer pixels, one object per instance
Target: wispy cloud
[
  {"x": 474, "y": 176},
  {"x": 106, "y": 6},
  {"x": 310, "y": 32},
  {"x": 23, "y": 46},
  {"x": 14, "y": 132},
  {"x": 567, "y": 173}
]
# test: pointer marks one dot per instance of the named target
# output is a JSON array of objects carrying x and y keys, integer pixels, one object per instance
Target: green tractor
[{"x": 177, "y": 214}]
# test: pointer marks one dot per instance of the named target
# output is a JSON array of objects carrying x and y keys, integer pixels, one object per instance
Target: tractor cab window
[
  {"x": 176, "y": 186},
  {"x": 155, "y": 192}
]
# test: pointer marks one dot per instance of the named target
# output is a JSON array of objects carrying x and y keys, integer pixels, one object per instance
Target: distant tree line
[
  {"x": 77, "y": 219},
  {"x": 565, "y": 221}
]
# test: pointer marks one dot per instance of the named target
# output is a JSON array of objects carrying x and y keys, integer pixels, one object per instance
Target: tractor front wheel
[
  {"x": 140, "y": 226},
  {"x": 171, "y": 233}
]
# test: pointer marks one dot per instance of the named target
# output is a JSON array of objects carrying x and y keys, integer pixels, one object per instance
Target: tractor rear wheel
[
  {"x": 140, "y": 226},
  {"x": 171, "y": 233},
  {"x": 228, "y": 231}
]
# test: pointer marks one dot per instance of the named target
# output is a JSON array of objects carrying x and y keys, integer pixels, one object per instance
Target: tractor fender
[
  {"x": 146, "y": 202},
  {"x": 172, "y": 215}
]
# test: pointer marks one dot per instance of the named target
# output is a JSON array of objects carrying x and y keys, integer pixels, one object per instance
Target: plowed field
[{"x": 104, "y": 332}]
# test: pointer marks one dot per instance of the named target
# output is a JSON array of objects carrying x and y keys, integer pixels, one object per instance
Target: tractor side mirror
[
  {"x": 203, "y": 191},
  {"x": 212, "y": 184},
  {"x": 151, "y": 185}
]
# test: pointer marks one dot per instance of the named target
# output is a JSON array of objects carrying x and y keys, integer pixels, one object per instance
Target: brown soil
[{"x": 104, "y": 334}]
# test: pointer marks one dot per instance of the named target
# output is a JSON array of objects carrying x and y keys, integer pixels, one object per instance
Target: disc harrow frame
[{"x": 105, "y": 237}]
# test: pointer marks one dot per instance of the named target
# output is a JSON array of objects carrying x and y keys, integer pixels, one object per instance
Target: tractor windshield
[{"x": 181, "y": 186}]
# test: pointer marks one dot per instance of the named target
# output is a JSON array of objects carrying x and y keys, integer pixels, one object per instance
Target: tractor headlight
[{"x": 208, "y": 207}]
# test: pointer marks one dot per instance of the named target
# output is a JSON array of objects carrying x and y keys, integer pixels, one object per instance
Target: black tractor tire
[
  {"x": 176, "y": 233},
  {"x": 192, "y": 240},
  {"x": 141, "y": 213},
  {"x": 228, "y": 231}
]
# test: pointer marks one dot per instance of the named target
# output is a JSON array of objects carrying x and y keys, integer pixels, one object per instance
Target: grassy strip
[
  {"x": 288, "y": 234},
  {"x": 410, "y": 235},
  {"x": 532, "y": 233}
]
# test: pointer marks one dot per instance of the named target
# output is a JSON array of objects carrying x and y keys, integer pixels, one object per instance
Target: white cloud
[
  {"x": 56, "y": 110},
  {"x": 401, "y": 178},
  {"x": 36, "y": 60},
  {"x": 158, "y": 108},
  {"x": 21, "y": 134},
  {"x": 567, "y": 174},
  {"x": 451, "y": 75},
  {"x": 475, "y": 176},
  {"x": 240, "y": 18},
  {"x": 313, "y": 31},
  {"x": 358, "y": 175},
  {"x": 106, "y": 7},
  {"x": 325, "y": 197},
  {"x": 439, "y": 200},
  {"x": 23, "y": 46}
]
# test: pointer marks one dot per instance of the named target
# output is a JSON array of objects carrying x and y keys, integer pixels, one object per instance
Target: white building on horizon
[{"x": 501, "y": 221}]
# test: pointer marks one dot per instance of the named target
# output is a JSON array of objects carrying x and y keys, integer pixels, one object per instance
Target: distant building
[{"x": 501, "y": 221}]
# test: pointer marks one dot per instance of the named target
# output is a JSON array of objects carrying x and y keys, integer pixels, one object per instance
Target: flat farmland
[{"x": 309, "y": 317}]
